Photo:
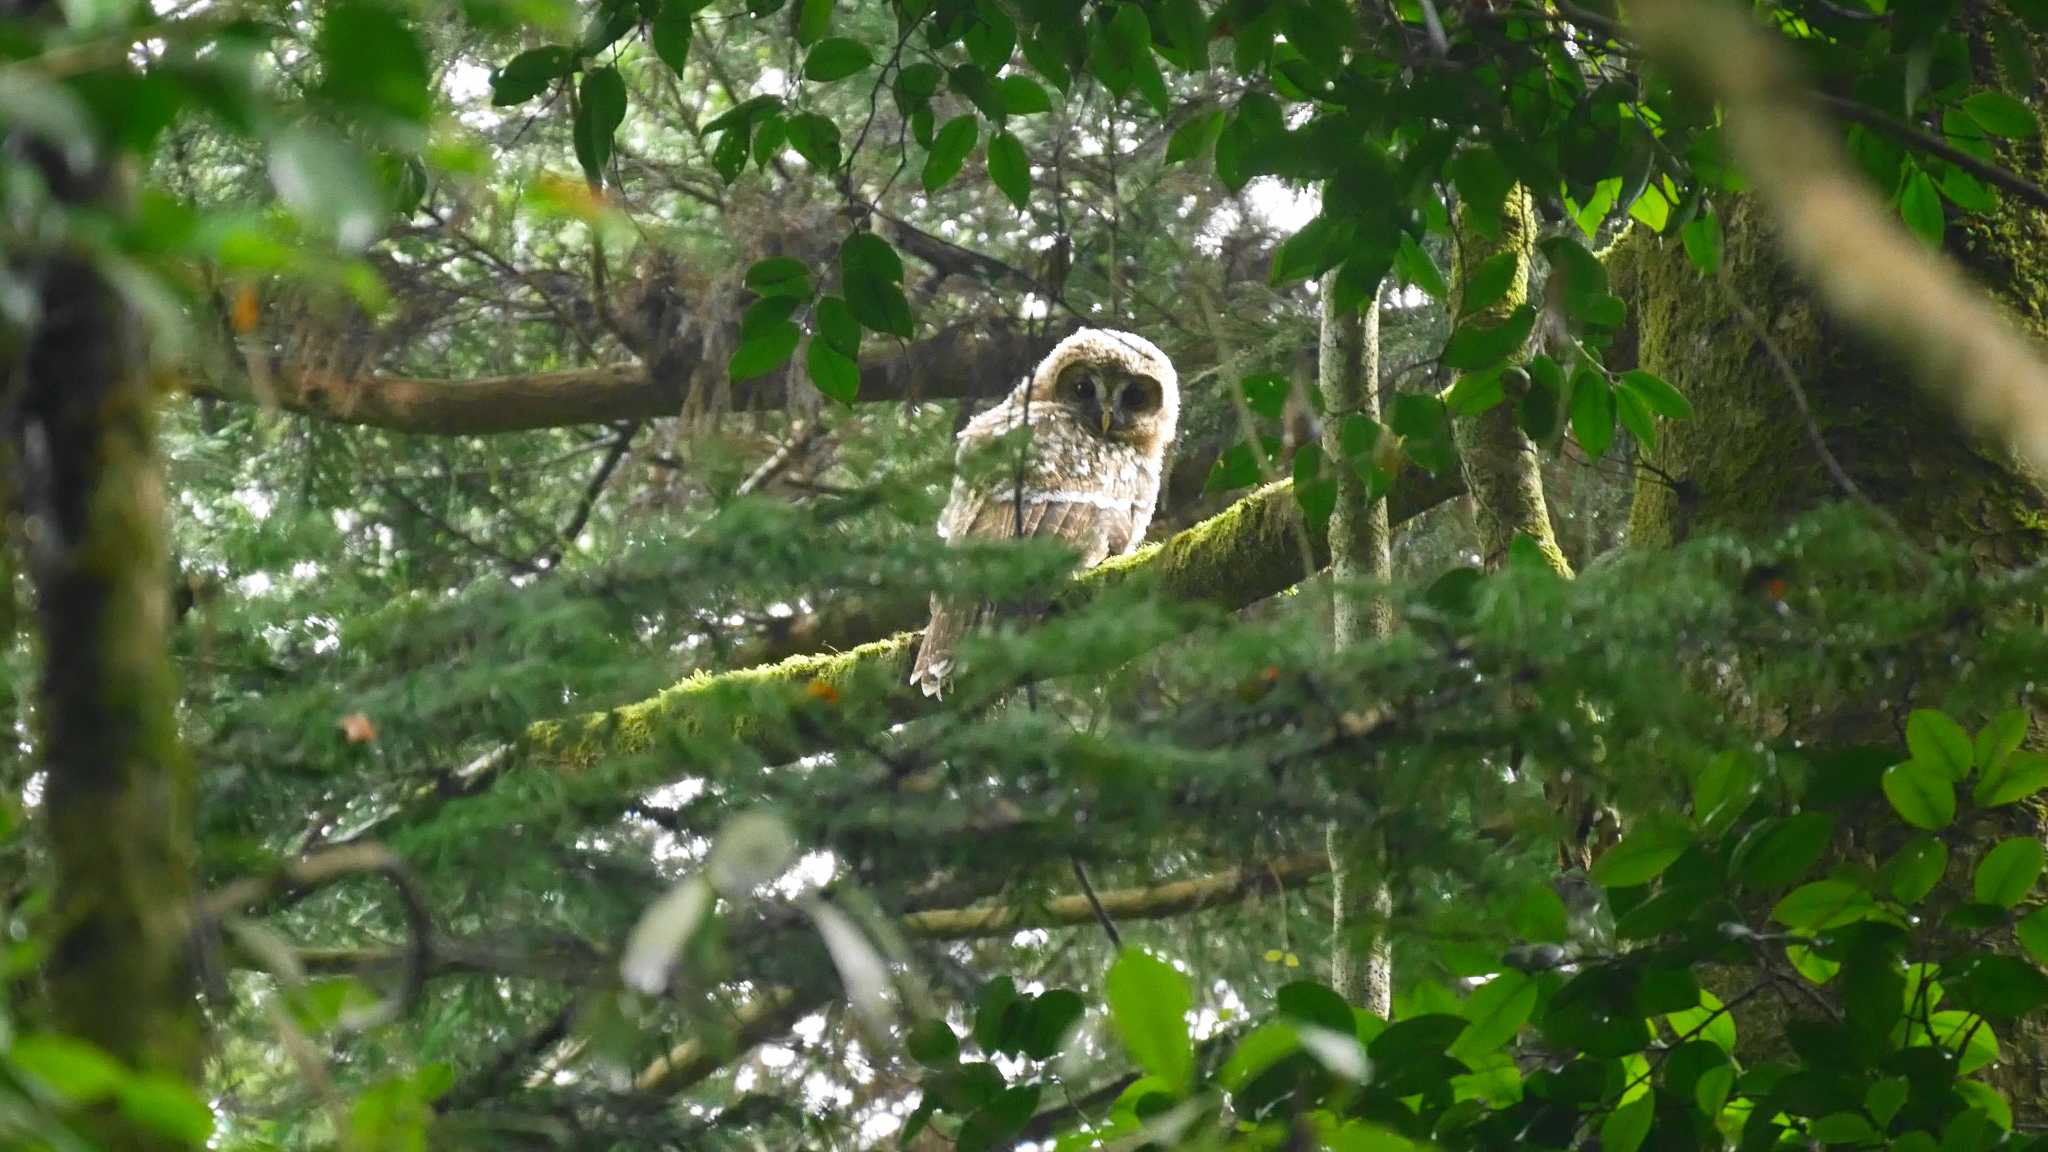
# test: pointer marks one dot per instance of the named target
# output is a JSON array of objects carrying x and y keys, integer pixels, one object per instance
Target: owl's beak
[{"x": 1108, "y": 418}]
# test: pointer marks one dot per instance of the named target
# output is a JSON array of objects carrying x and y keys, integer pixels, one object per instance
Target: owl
[{"x": 1101, "y": 408}]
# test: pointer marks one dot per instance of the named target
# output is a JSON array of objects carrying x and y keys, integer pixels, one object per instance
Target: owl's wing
[{"x": 1095, "y": 524}]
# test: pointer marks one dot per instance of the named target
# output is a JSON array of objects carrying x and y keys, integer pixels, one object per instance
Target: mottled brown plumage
[{"x": 1102, "y": 407}]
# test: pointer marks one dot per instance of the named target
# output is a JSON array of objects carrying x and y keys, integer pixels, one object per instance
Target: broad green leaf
[
  {"x": 1724, "y": 787},
  {"x": 529, "y": 74},
  {"x": 1967, "y": 1034},
  {"x": 2017, "y": 777},
  {"x": 1703, "y": 243},
  {"x": 2032, "y": 931},
  {"x": 1593, "y": 420},
  {"x": 601, "y": 110},
  {"x": 1709, "y": 1022},
  {"x": 1823, "y": 904},
  {"x": 1477, "y": 392},
  {"x": 1022, "y": 96},
  {"x": 813, "y": 20},
  {"x": 328, "y": 184},
  {"x": 1482, "y": 181},
  {"x": 1842, "y": 1128},
  {"x": 1148, "y": 1007},
  {"x": 71, "y": 1069},
  {"x": 949, "y": 151},
  {"x": 779, "y": 276},
  {"x": 1194, "y": 137},
  {"x": 1935, "y": 739},
  {"x": 1488, "y": 283},
  {"x": 1655, "y": 394},
  {"x": 1010, "y": 168},
  {"x": 1999, "y": 738},
  {"x": 1048, "y": 1020},
  {"x": 1639, "y": 858},
  {"x": 1784, "y": 853},
  {"x": 836, "y": 58},
  {"x": 1994, "y": 985},
  {"x": 1966, "y": 191},
  {"x": 1922, "y": 794},
  {"x": 1886, "y": 1097},
  {"x": 2006, "y": 874},
  {"x": 831, "y": 371},
  {"x": 168, "y": 1107},
  {"x": 1264, "y": 1047},
  {"x": 2001, "y": 114},
  {"x": 1914, "y": 869},
  {"x": 1920, "y": 207},
  {"x": 1415, "y": 267},
  {"x": 816, "y": 139},
  {"x": 371, "y": 58},
  {"x": 1626, "y": 1127},
  {"x": 1497, "y": 1010},
  {"x": 1473, "y": 346},
  {"x": 931, "y": 1042},
  {"x": 765, "y": 351}
]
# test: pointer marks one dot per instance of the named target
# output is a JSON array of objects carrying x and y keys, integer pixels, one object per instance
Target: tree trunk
[
  {"x": 1361, "y": 956},
  {"x": 116, "y": 807}
]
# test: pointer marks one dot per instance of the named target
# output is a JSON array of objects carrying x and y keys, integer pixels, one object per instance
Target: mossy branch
[{"x": 807, "y": 704}]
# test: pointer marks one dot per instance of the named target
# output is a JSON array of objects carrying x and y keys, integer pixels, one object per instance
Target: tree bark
[
  {"x": 957, "y": 362},
  {"x": 1499, "y": 460},
  {"x": 1348, "y": 365},
  {"x": 117, "y": 803}
]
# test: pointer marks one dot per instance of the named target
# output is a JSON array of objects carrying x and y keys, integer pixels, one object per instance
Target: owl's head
[{"x": 1118, "y": 386}]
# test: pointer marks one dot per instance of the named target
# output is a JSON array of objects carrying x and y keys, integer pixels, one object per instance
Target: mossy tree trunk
[
  {"x": 116, "y": 807},
  {"x": 1745, "y": 349},
  {"x": 1348, "y": 370},
  {"x": 1499, "y": 460}
]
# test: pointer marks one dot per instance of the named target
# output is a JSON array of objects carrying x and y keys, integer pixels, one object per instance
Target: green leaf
[
  {"x": 813, "y": 20},
  {"x": 1148, "y": 1007},
  {"x": 1842, "y": 1128},
  {"x": 779, "y": 276},
  {"x": 2017, "y": 777},
  {"x": 1656, "y": 395},
  {"x": 1022, "y": 96},
  {"x": 2001, "y": 114},
  {"x": 1724, "y": 787},
  {"x": 836, "y": 58},
  {"x": 1497, "y": 1010},
  {"x": 833, "y": 321},
  {"x": 1635, "y": 415},
  {"x": 1966, "y": 191},
  {"x": 601, "y": 110},
  {"x": 529, "y": 74},
  {"x": 1886, "y": 1097},
  {"x": 1424, "y": 425},
  {"x": 949, "y": 150},
  {"x": 1415, "y": 267},
  {"x": 1264, "y": 1047},
  {"x": 1968, "y": 1035},
  {"x": 1923, "y": 795},
  {"x": 1195, "y": 137},
  {"x": 1482, "y": 181},
  {"x": 1477, "y": 392},
  {"x": 1703, "y": 243},
  {"x": 1823, "y": 904},
  {"x": 1488, "y": 283},
  {"x": 2007, "y": 873},
  {"x": 992, "y": 38},
  {"x": 1266, "y": 393},
  {"x": 71, "y": 1069},
  {"x": 1640, "y": 858},
  {"x": 1051, "y": 1016},
  {"x": 870, "y": 272},
  {"x": 1936, "y": 740},
  {"x": 1472, "y": 347},
  {"x": 816, "y": 139},
  {"x": 1593, "y": 417},
  {"x": 832, "y": 372},
  {"x": 1920, "y": 207},
  {"x": 371, "y": 58},
  {"x": 1784, "y": 853},
  {"x": 2032, "y": 931},
  {"x": 1314, "y": 249},
  {"x": 764, "y": 351},
  {"x": 1709, "y": 1022},
  {"x": 169, "y": 1108},
  {"x": 1010, "y": 168},
  {"x": 1652, "y": 209},
  {"x": 1914, "y": 869},
  {"x": 1994, "y": 985},
  {"x": 1626, "y": 1127}
]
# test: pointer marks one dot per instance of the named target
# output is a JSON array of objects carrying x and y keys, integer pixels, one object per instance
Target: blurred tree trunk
[
  {"x": 1348, "y": 370},
  {"x": 1742, "y": 350},
  {"x": 116, "y": 805}
]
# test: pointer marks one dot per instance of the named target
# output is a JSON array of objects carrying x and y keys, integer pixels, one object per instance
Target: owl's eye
[
  {"x": 1139, "y": 396},
  {"x": 1082, "y": 387}
]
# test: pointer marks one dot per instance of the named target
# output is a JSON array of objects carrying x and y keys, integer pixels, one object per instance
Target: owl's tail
[{"x": 935, "y": 654}]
